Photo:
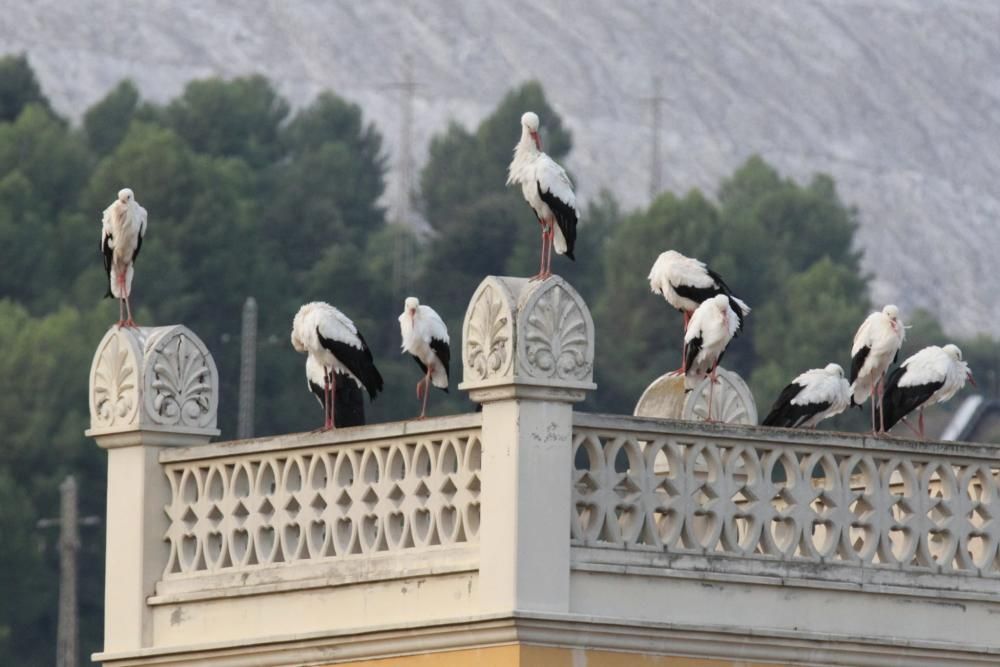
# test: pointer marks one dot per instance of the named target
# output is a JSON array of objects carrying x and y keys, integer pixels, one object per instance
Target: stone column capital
[{"x": 527, "y": 339}]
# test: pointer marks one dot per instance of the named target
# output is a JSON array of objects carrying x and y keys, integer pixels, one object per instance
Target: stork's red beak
[
  {"x": 971, "y": 379},
  {"x": 538, "y": 140}
]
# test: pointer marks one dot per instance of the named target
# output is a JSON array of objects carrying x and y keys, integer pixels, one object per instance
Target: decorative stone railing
[
  {"x": 768, "y": 502},
  {"x": 242, "y": 514},
  {"x": 529, "y": 522}
]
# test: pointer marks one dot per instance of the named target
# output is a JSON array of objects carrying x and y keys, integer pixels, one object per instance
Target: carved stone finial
[
  {"x": 538, "y": 336},
  {"x": 732, "y": 401},
  {"x": 160, "y": 379}
]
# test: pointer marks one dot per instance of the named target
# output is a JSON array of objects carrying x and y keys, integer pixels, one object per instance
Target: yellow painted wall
[{"x": 516, "y": 655}]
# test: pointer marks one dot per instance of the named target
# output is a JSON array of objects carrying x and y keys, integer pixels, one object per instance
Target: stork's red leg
[
  {"x": 427, "y": 391},
  {"x": 333, "y": 397},
  {"x": 881, "y": 408},
  {"x": 920, "y": 422}
]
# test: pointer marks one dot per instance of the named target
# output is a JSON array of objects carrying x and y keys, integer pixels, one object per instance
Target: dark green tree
[
  {"x": 18, "y": 87},
  {"x": 106, "y": 123}
]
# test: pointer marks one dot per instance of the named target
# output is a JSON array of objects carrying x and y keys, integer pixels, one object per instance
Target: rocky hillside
[{"x": 898, "y": 99}]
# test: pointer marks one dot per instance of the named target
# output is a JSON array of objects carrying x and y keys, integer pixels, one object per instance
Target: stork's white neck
[{"x": 525, "y": 153}]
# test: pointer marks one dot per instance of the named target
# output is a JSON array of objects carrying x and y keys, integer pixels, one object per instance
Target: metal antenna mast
[
  {"x": 403, "y": 251},
  {"x": 248, "y": 370}
]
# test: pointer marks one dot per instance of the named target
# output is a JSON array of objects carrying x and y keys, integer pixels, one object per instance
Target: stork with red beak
[
  {"x": 123, "y": 227},
  {"x": 425, "y": 338},
  {"x": 876, "y": 346},
  {"x": 548, "y": 191}
]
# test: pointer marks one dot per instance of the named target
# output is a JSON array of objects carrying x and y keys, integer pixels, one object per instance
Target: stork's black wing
[
  {"x": 443, "y": 352},
  {"x": 348, "y": 402},
  {"x": 566, "y": 218},
  {"x": 358, "y": 361},
  {"x": 693, "y": 348},
  {"x": 897, "y": 402},
  {"x": 858, "y": 361},
  {"x": 785, "y": 413},
  {"x": 108, "y": 253}
]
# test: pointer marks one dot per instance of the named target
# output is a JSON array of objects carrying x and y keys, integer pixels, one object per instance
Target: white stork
[
  {"x": 548, "y": 191},
  {"x": 932, "y": 375},
  {"x": 709, "y": 332},
  {"x": 323, "y": 332},
  {"x": 876, "y": 346},
  {"x": 810, "y": 398},
  {"x": 685, "y": 283},
  {"x": 425, "y": 338},
  {"x": 123, "y": 227},
  {"x": 349, "y": 407}
]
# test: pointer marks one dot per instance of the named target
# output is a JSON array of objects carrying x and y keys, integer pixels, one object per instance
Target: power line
[
  {"x": 655, "y": 169},
  {"x": 403, "y": 245}
]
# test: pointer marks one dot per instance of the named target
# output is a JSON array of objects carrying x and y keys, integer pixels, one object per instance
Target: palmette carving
[
  {"x": 556, "y": 335},
  {"x": 331, "y": 502},
  {"x": 153, "y": 377},
  {"x": 489, "y": 334},
  {"x": 180, "y": 387},
  {"x": 114, "y": 396}
]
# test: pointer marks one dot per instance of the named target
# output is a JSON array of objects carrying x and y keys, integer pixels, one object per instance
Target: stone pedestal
[
  {"x": 150, "y": 388},
  {"x": 527, "y": 356}
]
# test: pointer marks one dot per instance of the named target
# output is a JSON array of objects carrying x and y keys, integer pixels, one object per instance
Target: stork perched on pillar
[
  {"x": 709, "y": 333},
  {"x": 123, "y": 227},
  {"x": 323, "y": 332},
  {"x": 548, "y": 191},
  {"x": 685, "y": 283},
  {"x": 876, "y": 346}
]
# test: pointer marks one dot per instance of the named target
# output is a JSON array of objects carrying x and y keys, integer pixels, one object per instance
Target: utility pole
[
  {"x": 69, "y": 522},
  {"x": 655, "y": 169},
  {"x": 248, "y": 370},
  {"x": 402, "y": 250}
]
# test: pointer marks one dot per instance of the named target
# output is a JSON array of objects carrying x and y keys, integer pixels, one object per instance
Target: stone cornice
[{"x": 568, "y": 631}]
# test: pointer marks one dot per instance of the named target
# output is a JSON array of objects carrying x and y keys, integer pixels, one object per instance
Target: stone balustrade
[
  {"x": 529, "y": 523},
  {"x": 844, "y": 510}
]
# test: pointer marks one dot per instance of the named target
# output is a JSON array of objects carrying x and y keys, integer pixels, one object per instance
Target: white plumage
[
  {"x": 548, "y": 191},
  {"x": 325, "y": 333},
  {"x": 931, "y": 375},
  {"x": 810, "y": 398},
  {"x": 686, "y": 283},
  {"x": 123, "y": 227},
  {"x": 712, "y": 327},
  {"x": 425, "y": 337},
  {"x": 876, "y": 344}
]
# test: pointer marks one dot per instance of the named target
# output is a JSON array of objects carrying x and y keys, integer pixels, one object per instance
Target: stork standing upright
[
  {"x": 323, "y": 332},
  {"x": 712, "y": 327},
  {"x": 425, "y": 338},
  {"x": 548, "y": 191},
  {"x": 876, "y": 346},
  {"x": 810, "y": 398},
  {"x": 123, "y": 227},
  {"x": 685, "y": 283},
  {"x": 932, "y": 375}
]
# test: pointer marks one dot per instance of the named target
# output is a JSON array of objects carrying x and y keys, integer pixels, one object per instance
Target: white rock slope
[{"x": 899, "y": 100}]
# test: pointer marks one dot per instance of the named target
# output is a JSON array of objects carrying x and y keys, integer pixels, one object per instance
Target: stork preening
[
  {"x": 711, "y": 328},
  {"x": 548, "y": 191},
  {"x": 425, "y": 338},
  {"x": 811, "y": 397},
  {"x": 685, "y": 283},
  {"x": 876, "y": 346},
  {"x": 123, "y": 227},
  {"x": 932, "y": 375},
  {"x": 349, "y": 401},
  {"x": 325, "y": 333}
]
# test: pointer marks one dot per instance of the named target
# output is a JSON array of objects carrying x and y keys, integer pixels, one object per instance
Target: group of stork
[
  {"x": 340, "y": 367},
  {"x": 713, "y": 317}
]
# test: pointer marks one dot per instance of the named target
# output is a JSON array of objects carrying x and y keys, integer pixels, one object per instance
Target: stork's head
[
  {"x": 125, "y": 195},
  {"x": 529, "y": 121},
  {"x": 834, "y": 370},
  {"x": 892, "y": 312},
  {"x": 955, "y": 353},
  {"x": 410, "y": 305}
]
